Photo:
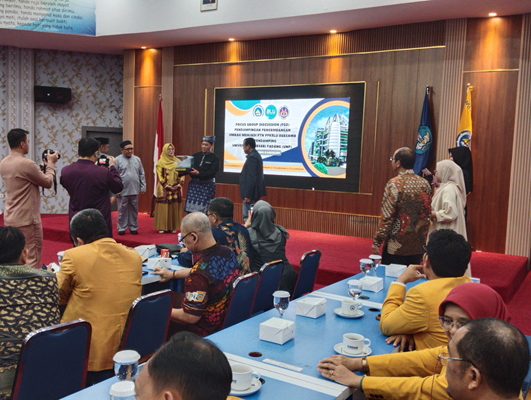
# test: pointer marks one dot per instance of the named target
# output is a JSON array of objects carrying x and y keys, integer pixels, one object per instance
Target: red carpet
[{"x": 340, "y": 259}]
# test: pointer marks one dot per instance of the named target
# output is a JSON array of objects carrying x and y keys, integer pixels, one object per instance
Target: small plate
[
  {"x": 255, "y": 387},
  {"x": 339, "y": 350},
  {"x": 340, "y": 313}
]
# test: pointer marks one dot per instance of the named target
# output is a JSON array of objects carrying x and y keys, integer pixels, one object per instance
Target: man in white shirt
[{"x": 132, "y": 174}]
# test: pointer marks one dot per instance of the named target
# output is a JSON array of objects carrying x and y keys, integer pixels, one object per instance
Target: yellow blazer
[
  {"x": 422, "y": 377},
  {"x": 98, "y": 282},
  {"x": 418, "y": 313}
]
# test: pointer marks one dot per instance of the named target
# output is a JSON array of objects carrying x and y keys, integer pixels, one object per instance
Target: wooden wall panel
[
  {"x": 493, "y": 43},
  {"x": 148, "y": 67},
  {"x": 493, "y": 116},
  {"x": 426, "y": 34},
  {"x": 145, "y": 121},
  {"x": 519, "y": 214},
  {"x": 397, "y": 63},
  {"x": 392, "y": 114}
]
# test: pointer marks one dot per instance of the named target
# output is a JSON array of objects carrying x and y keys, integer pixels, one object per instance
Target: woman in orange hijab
[{"x": 169, "y": 192}]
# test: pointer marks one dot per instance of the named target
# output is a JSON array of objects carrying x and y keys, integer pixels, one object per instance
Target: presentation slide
[
  {"x": 296, "y": 137},
  {"x": 309, "y": 136}
]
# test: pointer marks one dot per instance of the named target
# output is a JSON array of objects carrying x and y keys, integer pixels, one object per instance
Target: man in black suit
[{"x": 252, "y": 184}]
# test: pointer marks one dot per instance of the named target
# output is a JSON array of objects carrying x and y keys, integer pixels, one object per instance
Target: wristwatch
[{"x": 364, "y": 365}]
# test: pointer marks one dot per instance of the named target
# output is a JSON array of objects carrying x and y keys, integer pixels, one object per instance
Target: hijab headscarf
[
  {"x": 463, "y": 157},
  {"x": 166, "y": 161},
  {"x": 477, "y": 300},
  {"x": 264, "y": 232},
  {"x": 451, "y": 174}
]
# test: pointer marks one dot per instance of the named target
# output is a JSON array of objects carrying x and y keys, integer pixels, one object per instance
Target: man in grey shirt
[{"x": 132, "y": 174}]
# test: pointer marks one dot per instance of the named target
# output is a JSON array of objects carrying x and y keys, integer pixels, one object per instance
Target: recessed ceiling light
[
  {"x": 333, "y": 31},
  {"x": 492, "y": 14},
  {"x": 143, "y": 47},
  {"x": 231, "y": 39}
]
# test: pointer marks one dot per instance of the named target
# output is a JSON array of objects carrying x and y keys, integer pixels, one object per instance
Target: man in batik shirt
[
  {"x": 226, "y": 232},
  {"x": 406, "y": 208},
  {"x": 29, "y": 300},
  {"x": 207, "y": 285}
]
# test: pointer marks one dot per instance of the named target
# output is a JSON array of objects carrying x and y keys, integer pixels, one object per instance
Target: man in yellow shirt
[
  {"x": 98, "y": 281},
  {"x": 445, "y": 263}
]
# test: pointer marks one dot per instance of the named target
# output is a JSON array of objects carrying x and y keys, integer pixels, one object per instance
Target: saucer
[
  {"x": 339, "y": 350},
  {"x": 255, "y": 387},
  {"x": 340, "y": 313}
]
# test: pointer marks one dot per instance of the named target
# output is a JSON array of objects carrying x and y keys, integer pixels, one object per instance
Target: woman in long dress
[
  {"x": 169, "y": 192},
  {"x": 448, "y": 203}
]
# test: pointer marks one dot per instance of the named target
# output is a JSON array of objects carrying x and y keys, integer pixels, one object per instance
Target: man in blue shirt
[{"x": 226, "y": 232}]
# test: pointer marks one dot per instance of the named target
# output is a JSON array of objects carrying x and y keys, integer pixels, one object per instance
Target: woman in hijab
[
  {"x": 448, "y": 203},
  {"x": 269, "y": 243},
  {"x": 168, "y": 202},
  {"x": 417, "y": 374}
]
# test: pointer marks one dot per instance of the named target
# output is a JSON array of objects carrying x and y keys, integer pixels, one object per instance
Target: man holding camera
[
  {"x": 22, "y": 179},
  {"x": 89, "y": 184}
]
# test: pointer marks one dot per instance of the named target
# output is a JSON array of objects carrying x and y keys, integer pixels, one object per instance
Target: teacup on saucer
[{"x": 339, "y": 350}]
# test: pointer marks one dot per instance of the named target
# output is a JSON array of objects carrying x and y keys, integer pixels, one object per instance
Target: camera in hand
[
  {"x": 103, "y": 160},
  {"x": 49, "y": 151}
]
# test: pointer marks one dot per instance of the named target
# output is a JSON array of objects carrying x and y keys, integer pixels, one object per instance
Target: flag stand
[{"x": 159, "y": 141}]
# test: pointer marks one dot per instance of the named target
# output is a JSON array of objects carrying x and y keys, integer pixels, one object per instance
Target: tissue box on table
[
  {"x": 146, "y": 250},
  {"x": 394, "y": 270},
  {"x": 277, "y": 330},
  {"x": 312, "y": 307},
  {"x": 372, "y": 283},
  {"x": 159, "y": 262}
]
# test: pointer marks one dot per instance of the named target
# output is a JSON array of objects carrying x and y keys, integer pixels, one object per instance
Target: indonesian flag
[{"x": 159, "y": 143}]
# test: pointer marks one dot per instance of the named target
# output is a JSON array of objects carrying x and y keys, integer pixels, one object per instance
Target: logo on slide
[
  {"x": 271, "y": 111},
  {"x": 283, "y": 112},
  {"x": 258, "y": 111}
]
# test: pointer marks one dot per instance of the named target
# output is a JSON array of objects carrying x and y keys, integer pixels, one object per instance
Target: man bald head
[{"x": 195, "y": 232}]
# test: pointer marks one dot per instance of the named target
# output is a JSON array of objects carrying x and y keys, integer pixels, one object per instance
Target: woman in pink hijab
[{"x": 417, "y": 374}]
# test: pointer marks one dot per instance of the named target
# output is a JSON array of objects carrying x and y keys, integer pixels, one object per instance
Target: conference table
[{"x": 290, "y": 370}]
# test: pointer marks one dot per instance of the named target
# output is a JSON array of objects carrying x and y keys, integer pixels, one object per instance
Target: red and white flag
[{"x": 159, "y": 143}]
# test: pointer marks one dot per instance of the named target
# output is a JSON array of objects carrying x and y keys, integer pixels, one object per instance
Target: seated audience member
[
  {"x": 98, "y": 281},
  {"x": 226, "y": 232},
  {"x": 269, "y": 243},
  {"x": 417, "y": 374},
  {"x": 186, "y": 367},
  {"x": 30, "y": 301},
  {"x": 487, "y": 359},
  {"x": 208, "y": 284},
  {"x": 445, "y": 263}
]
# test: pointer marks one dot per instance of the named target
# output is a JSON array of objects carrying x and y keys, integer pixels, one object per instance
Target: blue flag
[{"x": 424, "y": 148}]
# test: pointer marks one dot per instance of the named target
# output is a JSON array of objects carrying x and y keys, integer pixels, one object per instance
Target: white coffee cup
[
  {"x": 60, "y": 256},
  {"x": 354, "y": 343},
  {"x": 242, "y": 376},
  {"x": 349, "y": 307}
]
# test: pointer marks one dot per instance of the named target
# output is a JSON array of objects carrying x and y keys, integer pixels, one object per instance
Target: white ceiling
[{"x": 181, "y": 25}]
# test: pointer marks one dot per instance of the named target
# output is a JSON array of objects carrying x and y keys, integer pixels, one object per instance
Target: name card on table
[
  {"x": 312, "y": 307},
  {"x": 372, "y": 283},
  {"x": 277, "y": 330}
]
